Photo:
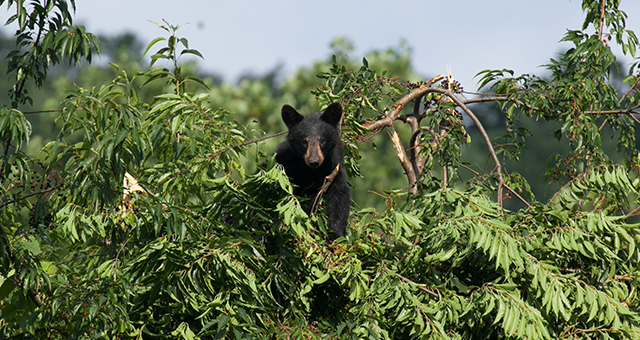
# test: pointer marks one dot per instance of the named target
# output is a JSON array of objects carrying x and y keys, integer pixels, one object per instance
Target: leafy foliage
[
  {"x": 46, "y": 36},
  {"x": 141, "y": 220}
]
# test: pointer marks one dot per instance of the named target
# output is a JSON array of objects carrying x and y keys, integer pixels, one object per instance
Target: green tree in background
[{"x": 156, "y": 211}]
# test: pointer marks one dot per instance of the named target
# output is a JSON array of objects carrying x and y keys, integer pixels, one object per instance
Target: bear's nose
[{"x": 314, "y": 162}]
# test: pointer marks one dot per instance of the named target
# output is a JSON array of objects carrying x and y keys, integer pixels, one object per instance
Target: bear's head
[{"x": 313, "y": 136}]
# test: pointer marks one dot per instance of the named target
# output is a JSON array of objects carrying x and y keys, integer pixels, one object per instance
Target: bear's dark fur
[{"x": 311, "y": 152}]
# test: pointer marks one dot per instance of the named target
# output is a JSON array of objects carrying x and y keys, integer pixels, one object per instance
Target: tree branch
[
  {"x": 327, "y": 182},
  {"x": 400, "y": 104},
  {"x": 45, "y": 111},
  {"x": 629, "y": 111},
  {"x": 404, "y": 161},
  {"x": 245, "y": 143},
  {"x": 418, "y": 93},
  {"x": 485, "y": 136},
  {"x": 601, "y": 26},
  {"x": 29, "y": 195},
  {"x": 518, "y": 196}
]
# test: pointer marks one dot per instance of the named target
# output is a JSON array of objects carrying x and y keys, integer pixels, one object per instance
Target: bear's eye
[
  {"x": 305, "y": 142},
  {"x": 321, "y": 142}
]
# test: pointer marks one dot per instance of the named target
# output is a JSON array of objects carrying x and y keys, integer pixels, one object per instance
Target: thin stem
[
  {"x": 485, "y": 136},
  {"x": 518, "y": 196},
  {"x": 29, "y": 195},
  {"x": 400, "y": 104},
  {"x": 23, "y": 81},
  {"x": 600, "y": 29},
  {"x": 246, "y": 143},
  {"x": 327, "y": 182}
]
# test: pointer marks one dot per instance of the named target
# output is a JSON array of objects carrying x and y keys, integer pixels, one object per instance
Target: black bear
[{"x": 310, "y": 153}]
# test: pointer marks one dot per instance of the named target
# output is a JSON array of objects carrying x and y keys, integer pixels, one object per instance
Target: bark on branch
[
  {"x": 415, "y": 165},
  {"x": 327, "y": 182}
]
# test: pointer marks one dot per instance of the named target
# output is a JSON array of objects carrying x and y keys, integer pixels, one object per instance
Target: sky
[{"x": 238, "y": 36}]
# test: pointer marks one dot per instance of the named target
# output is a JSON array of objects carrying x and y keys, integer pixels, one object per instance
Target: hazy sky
[{"x": 466, "y": 35}]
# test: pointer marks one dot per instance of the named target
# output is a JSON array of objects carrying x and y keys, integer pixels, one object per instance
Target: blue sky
[{"x": 466, "y": 35}]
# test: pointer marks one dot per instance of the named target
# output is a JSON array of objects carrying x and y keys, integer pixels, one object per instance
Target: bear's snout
[
  {"x": 314, "y": 155},
  {"x": 313, "y": 162}
]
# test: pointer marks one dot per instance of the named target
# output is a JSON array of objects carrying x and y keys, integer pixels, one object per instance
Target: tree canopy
[{"x": 156, "y": 209}]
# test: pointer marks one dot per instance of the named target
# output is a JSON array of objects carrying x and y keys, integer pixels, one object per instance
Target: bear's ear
[
  {"x": 290, "y": 116},
  {"x": 333, "y": 114}
]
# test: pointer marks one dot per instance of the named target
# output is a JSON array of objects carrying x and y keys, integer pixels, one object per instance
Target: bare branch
[
  {"x": 600, "y": 29},
  {"x": 518, "y": 196},
  {"x": 404, "y": 161},
  {"x": 400, "y": 104},
  {"x": 418, "y": 93},
  {"x": 612, "y": 112},
  {"x": 327, "y": 182},
  {"x": 45, "y": 111},
  {"x": 245, "y": 143},
  {"x": 628, "y": 111},
  {"x": 485, "y": 136},
  {"x": 486, "y": 99},
  {"x": 29, "y": 195}
]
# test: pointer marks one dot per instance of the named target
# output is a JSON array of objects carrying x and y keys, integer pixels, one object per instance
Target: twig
[
  {"x": 633, "y": 212},
  {"x": 601, "y": 26},
  {"x": 404, "y": 161},
  {"x": 445, "y": 176},
  {"x": 400, "y": 104},
  {"x": 469, "y": 169},
  {"x": 484, "y": 134},
  {"x": 246, "y": 143},
  {"x": 586, "y": 331},
  {"x": 629, "y": 111},
  {"x": 419, "y": 286},
  {"x": 634, "y": 118},
  {"x": 518, "y": 196},
  {"x": 327, "y": 182},
  {"x": 83, "y": 256},
  {"x": 418, "y": 93},
  {"x": 45, "y": 111},
  {"x": 29, "y": 195},
  {"x": 119, "y": 251},
  {"x": 486, "y": 99}
]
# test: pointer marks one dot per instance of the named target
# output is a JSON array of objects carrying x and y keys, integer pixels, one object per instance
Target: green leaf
[
  {"x": 194, "y": 52},
  {"x": 6, "y": 288},
  {"x": 152, "y": 43}
]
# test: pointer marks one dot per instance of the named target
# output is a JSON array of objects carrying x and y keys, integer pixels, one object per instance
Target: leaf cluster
[{"x": 45, "y": 36}]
